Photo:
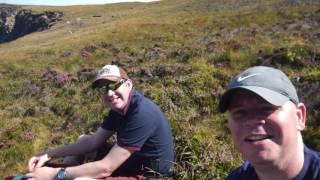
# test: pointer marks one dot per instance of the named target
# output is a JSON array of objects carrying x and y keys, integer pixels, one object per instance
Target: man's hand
[
  {"x": 37, "y": 161},
  {"x": 42, "y": 173}
]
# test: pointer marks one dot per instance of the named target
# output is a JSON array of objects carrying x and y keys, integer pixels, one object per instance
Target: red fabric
[{"x": 131, "y": 148}]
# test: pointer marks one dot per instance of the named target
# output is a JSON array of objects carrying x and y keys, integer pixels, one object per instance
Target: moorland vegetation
[{"x": 180, "y": 53}]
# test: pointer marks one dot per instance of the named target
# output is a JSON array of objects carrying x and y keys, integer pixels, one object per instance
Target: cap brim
[
  {"x": 100, "y": 82},
  {"x": 270, "y": 96}
]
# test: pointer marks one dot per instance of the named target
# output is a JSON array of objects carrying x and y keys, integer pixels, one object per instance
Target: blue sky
[{"x": 67, "y": 2}]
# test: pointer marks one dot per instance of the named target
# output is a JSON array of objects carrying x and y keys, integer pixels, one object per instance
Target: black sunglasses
[{"x": 114, "y": 85}]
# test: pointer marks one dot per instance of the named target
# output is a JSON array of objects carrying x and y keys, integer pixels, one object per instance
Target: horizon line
[{"x": 79, "y": 4}]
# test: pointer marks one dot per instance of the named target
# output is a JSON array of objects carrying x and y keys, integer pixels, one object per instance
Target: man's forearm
[
  {"x": 72, "y": 149},
  {"x": 85, "y": 144},
  {"x": 102, "y": 168},
  {"x": 95, "y": 169}
]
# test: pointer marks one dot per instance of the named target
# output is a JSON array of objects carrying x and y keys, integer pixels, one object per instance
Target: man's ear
[
  {"x": 129, "y": 83},
  {"x": 301, "y": 113}
]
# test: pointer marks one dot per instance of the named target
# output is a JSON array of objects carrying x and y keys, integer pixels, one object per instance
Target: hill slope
[{"x": 179, "y": 53}]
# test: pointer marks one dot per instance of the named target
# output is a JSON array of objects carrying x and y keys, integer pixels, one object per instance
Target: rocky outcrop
[
  {"x": 7, "y": 19},
  {"x": 16, "y": 22}
]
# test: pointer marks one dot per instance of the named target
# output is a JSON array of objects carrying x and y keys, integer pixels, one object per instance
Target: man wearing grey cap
[
  {"x": 144, "y": 140},
  {"x": 266, "y": 118}
]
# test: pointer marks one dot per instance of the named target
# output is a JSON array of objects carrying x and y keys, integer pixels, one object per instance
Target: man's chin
[
  {"x": 260, "y": 158},
  {"x": 117, "y": 108}
]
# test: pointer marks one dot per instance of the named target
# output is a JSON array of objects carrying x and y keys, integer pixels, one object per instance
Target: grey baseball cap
[{"x": 269, "y": 83}]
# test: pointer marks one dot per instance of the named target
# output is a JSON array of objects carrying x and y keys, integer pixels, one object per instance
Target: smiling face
[
  {"x": 118, "y": 99},
  {"x": 264, "y": 133}
]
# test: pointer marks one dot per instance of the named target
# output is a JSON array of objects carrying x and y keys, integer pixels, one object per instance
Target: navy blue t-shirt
[
  {"x": 144, "y": 129},
  {"x": 310, "y": 170}
]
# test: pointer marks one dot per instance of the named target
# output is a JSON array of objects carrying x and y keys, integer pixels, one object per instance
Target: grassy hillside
[{"x": 179, "y": 53}]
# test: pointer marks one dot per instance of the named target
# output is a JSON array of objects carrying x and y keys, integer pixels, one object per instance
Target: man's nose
[
  {"x": 109, "y": 92},
  {"x": 108, "y": 95},
  {"x": 254, "y": 118}
]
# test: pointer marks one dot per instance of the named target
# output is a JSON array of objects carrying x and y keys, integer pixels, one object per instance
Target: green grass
[{"x": 181, "y": 54}]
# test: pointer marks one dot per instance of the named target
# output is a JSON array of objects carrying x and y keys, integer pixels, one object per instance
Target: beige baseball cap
[{"x": 109, "y": 73}]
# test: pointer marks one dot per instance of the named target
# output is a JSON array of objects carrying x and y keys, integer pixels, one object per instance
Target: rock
[
  {"x": 16, "y": 22},
  {"x": 28, "y": 136},
  {"x": 184, "y": 53},
  {"x": 7, "y": 19},
  {"x": 292, "y": 26},
  {"x": 86, "y": 73},
  {"x": 162, "y": 71},
  {"x": 305, "y": 27},
  {"x": 211, "y": 47},
  {"x": 30, "y": 90},
  {"x": 131, "y": 57},
  {"x": 65, "y": 53},
  {"x": 88, "y": 50},
  {"x": 154, "y": 53},
  {"x": 236, "y": 31},
  {"x": 43, "y": 109},
  {"x": 29, "y": 112},
  {"x": 316, "y": 36},
  {"x": 146, "y": 72},
  {"x": 205, "y": 111},
  {"x": 2, "y": 144},
  {"x": 117, "y": 61},
  {"x": 105, "y": 45},
  {"x": 276, "y": 28},
  {"x": 115, "y": 51}
]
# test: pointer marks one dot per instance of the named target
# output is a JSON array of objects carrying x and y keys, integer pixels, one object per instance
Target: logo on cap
[
  {"x": 240, "y": 78},
  {"x": 105, "y": 70}
]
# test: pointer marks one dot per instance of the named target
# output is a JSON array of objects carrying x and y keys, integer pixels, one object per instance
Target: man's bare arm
[
  {"x": 89, "y": 144},
  {"x": 102, "y": 168}
]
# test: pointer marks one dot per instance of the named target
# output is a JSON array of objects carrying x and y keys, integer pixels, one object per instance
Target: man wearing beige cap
[
  {"x": 266, "y": 118},
  {"x": 144, "y": 140}
]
